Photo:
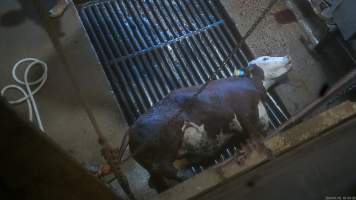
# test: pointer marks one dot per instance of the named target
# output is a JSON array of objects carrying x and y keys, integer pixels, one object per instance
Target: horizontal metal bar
[{"x": 170, "y": 42}]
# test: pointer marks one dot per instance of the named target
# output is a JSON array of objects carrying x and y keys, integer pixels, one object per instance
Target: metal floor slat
[{"x": 150, "y": 47}]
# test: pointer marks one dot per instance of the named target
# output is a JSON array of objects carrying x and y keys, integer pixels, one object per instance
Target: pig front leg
[{"x": 249, "y": 122}]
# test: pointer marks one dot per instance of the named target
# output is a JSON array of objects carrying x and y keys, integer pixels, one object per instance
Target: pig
[{"x": 197, "y": 127}]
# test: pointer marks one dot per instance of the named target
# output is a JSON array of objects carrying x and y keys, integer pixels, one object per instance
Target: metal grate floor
[{"x": 151, "y": 47}]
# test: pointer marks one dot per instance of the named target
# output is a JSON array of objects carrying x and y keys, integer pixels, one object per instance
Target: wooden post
[{"x": 32, "y": 166}]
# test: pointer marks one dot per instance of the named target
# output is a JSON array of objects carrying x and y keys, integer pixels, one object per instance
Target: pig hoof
[
  {"x": 184, "y": 175},
  {"x": 268, "y": 152},
  {"x": 243, "y": 154},
  {"x": 261, "y": 148},
  {"x": 240, "y": 159}
]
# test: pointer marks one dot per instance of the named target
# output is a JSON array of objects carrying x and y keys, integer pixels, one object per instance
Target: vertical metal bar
[
  {"x": 277, "y": 106},
  {"x": 164, "y": 56},
  {"x": 177, "y": 49},
  {"x": 129, "y": 103},
  {"x": 198, "y": 61},
  {"x": 149, "y": 92},
  {"x": 155, "y": 56},
  {"x": 138, "y": 81},
  {"x": 171, "y": 53},
  {"x": 203, "y": 58},
  {"x": 144, "y": 71},
  {"x": 101, "y": 35},
  {"x": 197, "y": 43},
  {"x": 226, "y": 31},
  {"x": 158, "y": 72},
  {"x": 148, "y": 82},
  {"x": 183, "y": 53},
  {"x": 219, "y": 39},
  {"x": 274, "y": 115},
  {"x": 155, "y": 38},
  {"x": 214, "y": 54}
]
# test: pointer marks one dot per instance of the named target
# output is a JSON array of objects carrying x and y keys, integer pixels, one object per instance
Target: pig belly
[{"x": 197, "y": 142}]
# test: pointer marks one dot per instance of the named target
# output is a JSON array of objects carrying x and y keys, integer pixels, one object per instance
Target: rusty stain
[
  {"x": 220, "y": 171},
  {"x": 231, "y": 167},
  {"x": 285, "y": 16}
]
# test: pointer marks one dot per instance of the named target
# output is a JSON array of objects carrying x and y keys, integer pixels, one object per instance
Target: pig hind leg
[
  {"x": 164, "y": 175},
  {"x": 158, "y": 182}
]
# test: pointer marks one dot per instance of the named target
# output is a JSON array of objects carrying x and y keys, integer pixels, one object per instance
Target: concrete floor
[{"x": 63, "y": 108}]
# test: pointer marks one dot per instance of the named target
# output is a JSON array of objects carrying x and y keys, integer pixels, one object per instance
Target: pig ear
[
  {"x": 184, "y": 126},
  {"x": 251, "y": 63},
  {"x": 256, "y": 73},
  {"x": 202, "y": 127},
  {"x": 251, "y": 66}
]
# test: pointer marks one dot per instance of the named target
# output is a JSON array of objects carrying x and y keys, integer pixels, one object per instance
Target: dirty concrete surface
[{"x": 62, "y": 110}]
